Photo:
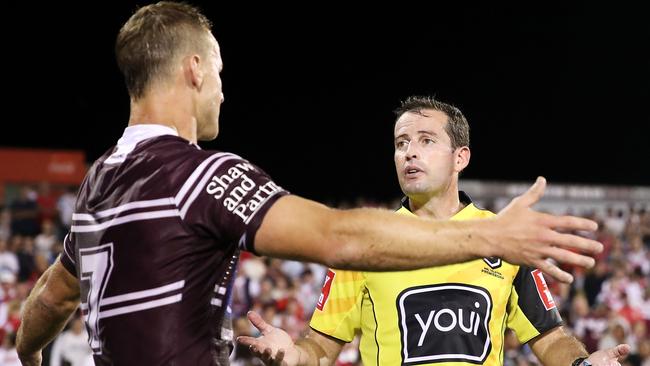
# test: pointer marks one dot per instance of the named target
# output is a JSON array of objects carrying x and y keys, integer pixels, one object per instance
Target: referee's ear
[{"x": 461, "y": 158}]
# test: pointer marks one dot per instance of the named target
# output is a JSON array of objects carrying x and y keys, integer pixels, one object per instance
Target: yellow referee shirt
[{"x": 445, "y": 316}]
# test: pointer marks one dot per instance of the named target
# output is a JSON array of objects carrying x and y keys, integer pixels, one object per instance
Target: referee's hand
[
  {"x": 533, "y": 238},
  {"x": 609, "y": 357},
  {"x": 274, "y": 346}
]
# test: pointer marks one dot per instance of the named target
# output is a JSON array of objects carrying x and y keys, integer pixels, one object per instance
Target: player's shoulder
[
  {"x": 176, "y": 153},
  {"x": 169, "y": 147},
  {"x": 167, "y": 160}
]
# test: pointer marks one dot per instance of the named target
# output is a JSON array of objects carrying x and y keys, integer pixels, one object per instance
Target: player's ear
[
  {"x": 461, "y": 158},
  {"x": 193, "y": 71}
]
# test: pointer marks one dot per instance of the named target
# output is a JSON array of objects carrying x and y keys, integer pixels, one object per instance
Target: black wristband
[{"x": 578, "y": 361}]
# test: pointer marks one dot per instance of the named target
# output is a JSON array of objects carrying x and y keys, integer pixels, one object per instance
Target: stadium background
[{"x": 553, "y": 90}]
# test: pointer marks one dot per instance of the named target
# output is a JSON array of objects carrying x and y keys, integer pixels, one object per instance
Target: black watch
[{"x": 581, "y": 361}]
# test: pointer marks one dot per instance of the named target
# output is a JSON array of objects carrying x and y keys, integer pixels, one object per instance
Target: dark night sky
[{"x": 557, "y": 91}]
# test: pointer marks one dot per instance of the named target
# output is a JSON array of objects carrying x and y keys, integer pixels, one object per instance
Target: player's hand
[
  {"x": 609, "y": 357},
  {"x": 531, "y": 237},
  {"x": 274, "y": 347}
]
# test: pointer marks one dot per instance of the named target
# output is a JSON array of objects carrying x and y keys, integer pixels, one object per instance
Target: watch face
[{"x": 585, "y": 363}]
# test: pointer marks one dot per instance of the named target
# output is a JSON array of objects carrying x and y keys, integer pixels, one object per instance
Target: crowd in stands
[{"x": 606, "y": 305}]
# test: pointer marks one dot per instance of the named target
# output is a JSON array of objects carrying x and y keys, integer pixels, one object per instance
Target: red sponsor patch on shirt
[
  {"x": 542, "y": 289},
  {"x": 325, "y": 292}
]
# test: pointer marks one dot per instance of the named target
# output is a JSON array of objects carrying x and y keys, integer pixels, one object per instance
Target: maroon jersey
[{"x": 154, "y": 243}]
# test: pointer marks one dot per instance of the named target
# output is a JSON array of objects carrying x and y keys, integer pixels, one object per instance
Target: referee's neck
[{"x": 439, "y": 207}]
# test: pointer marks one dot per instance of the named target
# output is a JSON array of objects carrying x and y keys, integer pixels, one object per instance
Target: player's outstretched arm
[
  {"x": 375, "y": 239},
  {"x": 49, "y": 306},
  {"x": 531, "y": 237},
  {"x": 275, "y": 347}
]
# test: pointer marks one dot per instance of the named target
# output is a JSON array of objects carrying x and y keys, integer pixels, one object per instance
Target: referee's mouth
[{"x": 412, "y": 171}]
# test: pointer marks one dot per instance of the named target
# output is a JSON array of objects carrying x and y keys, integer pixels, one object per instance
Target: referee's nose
[{"x": 411, "y": 151}]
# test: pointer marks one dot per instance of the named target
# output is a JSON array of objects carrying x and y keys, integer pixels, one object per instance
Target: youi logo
[{"x": 445, "y": 323}]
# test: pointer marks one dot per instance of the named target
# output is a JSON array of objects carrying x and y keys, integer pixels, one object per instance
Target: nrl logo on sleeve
[
  {"x": 445, "y": 323},
  {"x": 542, "y": 289}
]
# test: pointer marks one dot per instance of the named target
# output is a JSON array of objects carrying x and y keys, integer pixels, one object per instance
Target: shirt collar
[
  {"x": 132, "y": 136},
  {"x": 136, "y": 133},
  {"x": 462, "y": 196}
]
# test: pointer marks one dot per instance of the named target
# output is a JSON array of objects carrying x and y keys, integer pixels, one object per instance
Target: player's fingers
[
  {"x": 259, "y": 323},
  {"x": 570, "y": 222},
  {"x": 571, "y": 241},
  {"x": 553, "y": 271},
  {"x": 566, "y": 256},
  {"x": 533, "y": 194},
  {"x": 254, "y": 345},
  {"x": 267, "y": 356},
  {"x": 619, "y": 351},
  {"x": 255, "y": 351},
  {"x": 247, "y": 341},
  {"x": 279, "y": 356}
]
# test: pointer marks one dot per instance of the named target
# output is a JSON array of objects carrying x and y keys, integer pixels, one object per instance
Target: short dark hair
[
  {"x": 457, "y": 127},
  {"x": 154, "y": 35}
]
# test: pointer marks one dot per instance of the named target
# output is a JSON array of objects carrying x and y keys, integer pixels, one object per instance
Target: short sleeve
[
  {"x": 68, "y": 256},
  {"x": 338, "y": 311},
  {"x": 228, "y": 199},
  {"x": 531, "y": 308}
]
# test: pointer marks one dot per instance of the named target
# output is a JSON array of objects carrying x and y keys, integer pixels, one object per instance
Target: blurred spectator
[
  {"x": 46, "y": 202},
  {"x": 293, "y": 320},
  {"x": 265, "y": 294},
  {"x": 9, "y": 317},
  {"x": 645, "y": 227},
  {"x": 349, "y": 355},
  {"x": 8, "y": 354},
  {"x": 25, "y": 253},
  {"x": 633, "y": 223},
  {"x": 270, "y": 315},
  {"x": 645, "y": 306},
  {"x": 644, "y": 352},
  {"x": 607, "y": 238},
  {"x": 293, "y": 269},
  {"x": 65, "y": 208},
  {"x": 8, "y": 260},
  {"x": 309, "y": 290},
  {"x": 635, "y": 287},
  {"x": 241, "y": 299},
  {"x": 637, "y": 255},
  {"x": 5, "y": 224},
  {"x": 590, "y": 327},
  {"x": 24, "y": 214},
  {"x": 511, "y": 349},
  {"x": 614, "y": 288},
  {"x": 639, "y": 333},
  {"x": 617, "y": 332},
  {"x": 593, "y": 281},
  {"x": 71, "y": 347},
  {"x": 46, "y": 239},
  {"x": 7, "y": 288},
  {"x": 615, "y": 221}
]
